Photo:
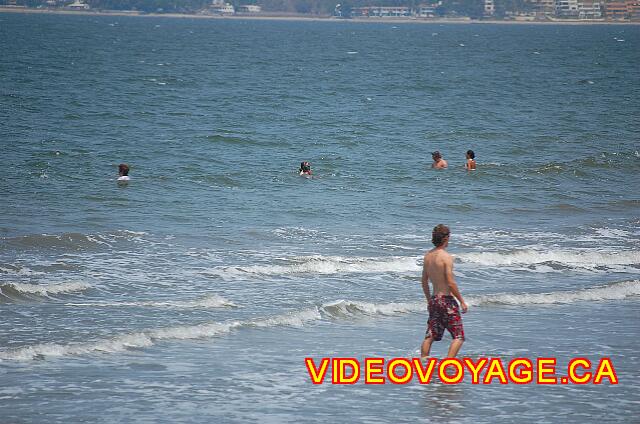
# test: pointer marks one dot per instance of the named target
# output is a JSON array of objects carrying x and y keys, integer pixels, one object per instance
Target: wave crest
[
  {"x": 349, "y": 308},
  {"x": 575, "y": 259},
  {"x": 21, "y": 290},
  {"x": 209, "y": 301},
  {"x": 148, "y": 338},
  {"x": 336, "y": 310},
  {"x": 615, "y": 291},
  {"x": 323, "y": 265}
]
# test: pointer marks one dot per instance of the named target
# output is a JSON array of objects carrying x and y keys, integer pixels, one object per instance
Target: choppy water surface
[{"x": 194, "y": 292}]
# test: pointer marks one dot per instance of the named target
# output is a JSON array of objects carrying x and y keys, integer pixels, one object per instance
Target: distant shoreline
[{"x": 303, "y": 18}]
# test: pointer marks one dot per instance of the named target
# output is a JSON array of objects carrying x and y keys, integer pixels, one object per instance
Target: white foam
[
  {"x": 613, "y": 233},
  {"x": 210, "y": 301},
  {"x": 614, "y": 291},
  {"x": 47, "y": 289},
  {"x": 348, "y": 308},
  {"x": 117, "y": 344},
  {"x": 292, "y": 319},
  {"x": 147, "y": 338},
  {"x": 324, "y": 265},
  {"x": 200, "y": 331},
  {"x": 338, "y": 309},
  {"x": 577, "y": 259}
]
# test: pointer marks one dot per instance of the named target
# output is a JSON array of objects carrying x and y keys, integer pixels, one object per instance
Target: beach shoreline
[{"x": 304, "y": 18}]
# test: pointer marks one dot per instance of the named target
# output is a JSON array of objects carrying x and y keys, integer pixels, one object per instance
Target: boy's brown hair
[{"x": 440, "y": 232}]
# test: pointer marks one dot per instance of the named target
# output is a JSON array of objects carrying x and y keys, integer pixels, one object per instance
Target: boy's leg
[
  {"x": 426, "y": 347},
  {"x": 456, "y": 344}
]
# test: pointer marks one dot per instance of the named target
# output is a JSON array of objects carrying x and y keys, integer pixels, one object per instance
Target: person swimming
[
  {"x": 438, "y": 161},
  {"x": 471, "y": 161},
  {"x": 305, "y": 168},
  {"x": 123, "y": 172}
]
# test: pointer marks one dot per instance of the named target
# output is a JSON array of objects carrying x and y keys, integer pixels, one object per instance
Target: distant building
[
  {"x": 426, "y": 11},
  {"x": 543, "y": 8},
  {"x": 622, "y": 10},
  {"x": 633, "y": 9},
  {"x": 589, "y": 9},
  {"x": 250, "y": 8},
  {"x": 77, "y": 5},
  {"x": 381, "y": 11},
  {"x": 567, "y": 8},
  {"x": 489, "y": 8},
  {"x": 219, "y": 7},
  {"x": 616, "y": 10}
]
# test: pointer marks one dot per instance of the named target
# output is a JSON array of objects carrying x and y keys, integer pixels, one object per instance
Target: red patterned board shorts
[{"x": 444, "y": 313}]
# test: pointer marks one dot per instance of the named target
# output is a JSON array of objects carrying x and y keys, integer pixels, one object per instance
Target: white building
[
  {"x": 589, "y": 9},
  {"x": 78, "y": 5},
  {"x": 426, "y": 11},
  {"x": 489, "y": 7},
  {"x": 218, "y": 6},
  {"x": 250, "y": 8},
  {"x": 567, "y": 8},
  {"x": 545, "y": 7}
]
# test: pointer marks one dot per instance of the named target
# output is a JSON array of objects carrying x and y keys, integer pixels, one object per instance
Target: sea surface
[{"x": 194, "y": 292}]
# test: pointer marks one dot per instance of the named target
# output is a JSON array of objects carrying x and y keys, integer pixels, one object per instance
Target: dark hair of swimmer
[
  {"x": 305, "y": 166},
  {"x": 471, "y": 154},
  {"x": 123, "y": 169},
  {"x": 440, "y": 233}
]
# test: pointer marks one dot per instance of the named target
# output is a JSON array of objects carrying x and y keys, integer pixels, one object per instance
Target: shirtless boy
[
  {"x": 444, "y": 312},
  {"x": 438, "y": 161}
]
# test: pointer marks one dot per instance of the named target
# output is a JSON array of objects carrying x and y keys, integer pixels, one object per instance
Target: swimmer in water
[
  {"x": 305, "y": 168},
  {"x": 123, "y": 172},
  {"x": 438, "y": 162},
  {"x": 471, "y": 161}
]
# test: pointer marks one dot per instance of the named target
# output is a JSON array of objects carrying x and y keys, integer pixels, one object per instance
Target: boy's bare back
[{"x": 437, "y": 265}]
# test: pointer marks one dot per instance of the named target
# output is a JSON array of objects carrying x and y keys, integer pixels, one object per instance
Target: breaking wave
[
  {"x": 148, "y": 338},
  {"x": 318, "y": 264},
  {"x": 336, "y": 310},
  {"x": 21, "y": 290},
  {"x": 210, "y": 301},
  {"x": 349, "y": 308},
  {"x": 573, "y": 259},
  {"x": 323, "y": 265},
  {"x": 615, "y": 291}
]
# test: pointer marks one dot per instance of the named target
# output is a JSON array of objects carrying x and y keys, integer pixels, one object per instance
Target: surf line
[{"x": 452, "y": 371}]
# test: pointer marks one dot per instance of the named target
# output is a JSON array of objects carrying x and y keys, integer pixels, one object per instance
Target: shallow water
[{"x": 196, "y": 291}]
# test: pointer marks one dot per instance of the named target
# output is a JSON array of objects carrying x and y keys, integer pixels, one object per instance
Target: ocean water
[{"x": 194, "y": 292}]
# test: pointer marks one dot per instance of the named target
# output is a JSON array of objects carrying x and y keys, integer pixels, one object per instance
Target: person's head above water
[
  {"x": 440, "y": 235},
  {"x": 470, "y": 154},
  {"x": 436, "y": 155},
  {"x": 123, "y": 169},
  {"x": 305, "y": 167}
]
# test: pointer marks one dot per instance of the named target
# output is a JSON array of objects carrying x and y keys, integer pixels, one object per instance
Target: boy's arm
[
  {"x": 451, "y": 282},
  {"x": 425, "y": 280}
]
